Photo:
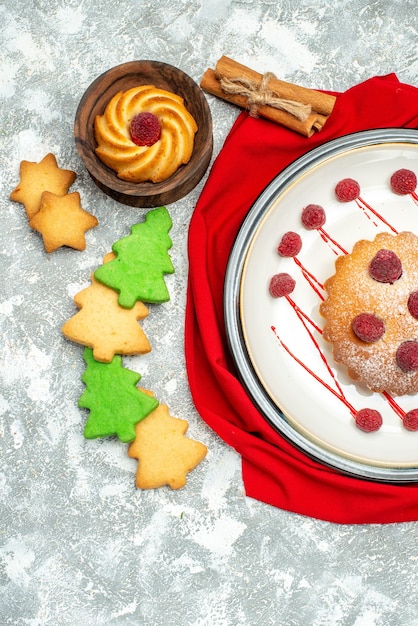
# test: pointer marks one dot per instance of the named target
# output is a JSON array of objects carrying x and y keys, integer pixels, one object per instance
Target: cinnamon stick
[
  {"x": 307, "y": 128},
  {"x": 320, "y": 102},
  {"x": 229, "y": 69}
]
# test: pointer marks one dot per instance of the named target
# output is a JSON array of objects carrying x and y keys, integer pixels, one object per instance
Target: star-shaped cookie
[
  {"x": 35, "y": 178},
  {"x": 62, "y": 221}
]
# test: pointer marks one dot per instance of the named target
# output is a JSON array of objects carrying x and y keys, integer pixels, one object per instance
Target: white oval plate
[{"x": 285, "y": 365}]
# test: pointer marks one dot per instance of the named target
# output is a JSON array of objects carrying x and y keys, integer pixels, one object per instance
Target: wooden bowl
[{"x": 121, "y": 78}]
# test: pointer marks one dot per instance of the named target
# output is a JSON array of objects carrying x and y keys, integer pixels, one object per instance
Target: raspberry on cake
[
  {"x": 413, "y": 304},
  {"x": 370, "y": 315},
  {"x": 368, "y": 327},
  {"x": 385, "y": 266},
  {"x": 407, "y": 356}
]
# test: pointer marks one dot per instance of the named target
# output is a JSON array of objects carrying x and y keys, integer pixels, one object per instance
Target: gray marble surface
[{"x": 78, "y": 543}]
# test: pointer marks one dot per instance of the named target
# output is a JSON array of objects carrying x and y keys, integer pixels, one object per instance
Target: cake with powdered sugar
[{"x": 371, "y": 313}]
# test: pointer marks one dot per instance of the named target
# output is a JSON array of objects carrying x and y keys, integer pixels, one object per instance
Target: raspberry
[
  {"x": 410, "y": 420},
  {"x": 403, "y": 182},
  {"x": 368, "y": 420},
  {"x": 413, "y": 304},
  {"x": 385, "y": 267},
  {"x": 290, "y": 244},
  {"x": 313, "y": 216},
  {"x": 347, "y": 189},
  {"x": 145, "y": 129},
  {"x": 281, "y": 285},
  {"x": 368, "y": 327},
  {"x": 407, "y": 356}
]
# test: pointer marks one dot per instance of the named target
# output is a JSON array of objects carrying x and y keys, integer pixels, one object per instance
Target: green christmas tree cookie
[
  {"x": 113, "y": 399},
  {"x": 142, "y": 259}
]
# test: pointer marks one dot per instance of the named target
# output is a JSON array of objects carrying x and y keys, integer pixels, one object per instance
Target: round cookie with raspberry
[
  {"x": 370, "y": 316},
  {"x": 145, "y": 134}
]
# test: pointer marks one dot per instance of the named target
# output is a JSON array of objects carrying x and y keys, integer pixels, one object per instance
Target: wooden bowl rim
[{"x": 94, "y": 101}]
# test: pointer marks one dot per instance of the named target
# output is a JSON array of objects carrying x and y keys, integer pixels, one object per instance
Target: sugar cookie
[
  {"x": 145, "y": 134},
  {"x": 35, "y": 178},
  {"x": 62, "y": 221},
  {"x": 115, "y": 403},
  {"x": 142, "y": 259},
  {"x": 106, "y": 327},
  {"x": 165, "y": 455}
]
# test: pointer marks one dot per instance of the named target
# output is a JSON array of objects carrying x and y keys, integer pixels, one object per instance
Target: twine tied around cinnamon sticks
[
  {"x": 300, "y": 109},
  {"x": 260, "y": 95}
]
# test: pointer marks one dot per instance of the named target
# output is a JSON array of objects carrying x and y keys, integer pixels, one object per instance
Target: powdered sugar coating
[{"x": 352, "y": 291}]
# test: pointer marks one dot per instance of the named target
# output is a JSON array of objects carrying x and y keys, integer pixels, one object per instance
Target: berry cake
[
  {"x": 371, "y": 313},
  {"x": 145, "y": 134}
]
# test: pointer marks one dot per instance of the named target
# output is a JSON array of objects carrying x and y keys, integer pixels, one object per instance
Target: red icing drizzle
[
  {"x": 339, "y": 394},
  {"x": 302, "y": 314},
  {"x": 394, "y": 405},
  {"x": 362, "y": 204},
  {"x": 325, "y": 236},
  {"x": 312, "y": 280}
]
